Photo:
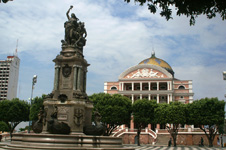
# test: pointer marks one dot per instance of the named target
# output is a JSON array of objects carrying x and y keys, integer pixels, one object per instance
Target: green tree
[
  {"x": 114, "y": 109},
  {"x": 189, "y": 8},
  {"x": 24, "y": 129},
  {"x": 5, "y": 1},
  {"x": 172, "y": 115},
  {"x": 208, "y": 114},
  {"x": 14, "y": 111},
  {"x": 37, "y": 103},
  {"x": 143, "y": 114},
  {"x": 3, "y": 127}
]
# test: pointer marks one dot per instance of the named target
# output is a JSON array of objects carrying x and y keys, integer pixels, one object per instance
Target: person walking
[
  {"x": 222, "y": 141},
  {"x": 170, "y": 142},
  {"x": 201, "y": 142},
  {"x": 218, "y": 141}
]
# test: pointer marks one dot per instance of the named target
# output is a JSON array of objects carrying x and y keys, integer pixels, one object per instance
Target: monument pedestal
[
  {"x": 73, "y": 113},
  {"x": 63, "y": 142}
]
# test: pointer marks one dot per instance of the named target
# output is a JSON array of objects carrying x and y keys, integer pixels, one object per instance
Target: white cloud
[{"x": 120, "y": 35}]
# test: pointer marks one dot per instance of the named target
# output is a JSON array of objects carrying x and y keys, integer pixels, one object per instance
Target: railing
[
  {"x": 119, "y": 132},
  {"x": 152, "y": 133}
]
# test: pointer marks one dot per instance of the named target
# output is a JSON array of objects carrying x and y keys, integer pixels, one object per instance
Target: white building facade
[
  {"x": 152, "y": 79},
  {"x": 9, "y": 75}
]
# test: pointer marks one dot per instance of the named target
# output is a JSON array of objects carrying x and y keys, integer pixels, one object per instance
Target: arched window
[
  {"x": 113, "y": 88},
  {"x": 181, "y": 87}
]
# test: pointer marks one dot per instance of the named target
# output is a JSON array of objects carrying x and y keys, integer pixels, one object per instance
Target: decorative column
[
  {"x": 168, "y": 98},
  {"x": 158, "y": 126},
  {"x": 122, "y": 86},
  {"x": 149, "y": 126},
  {"x": 80, "y": 77},
  {"x": 140, "y": 86},
  {"x": 149, "y": 97},
  {"x": 132, "y": 98},
  {"x": 131, "y": 123},
  {"x": 75, "y": 77},
  {"x": 157, "y": 86},
  {"x": 157, "y": 98},
  {"x": 56, "y": 79},
  {"x": 132, "y": 86},
  {"x": 149, "y": 86},
  {"x": 84, "y": 80},
  {"x": 140, "y": 96}
]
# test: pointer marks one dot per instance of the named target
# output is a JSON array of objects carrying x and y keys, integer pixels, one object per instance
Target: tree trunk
[
  {"x": 174, "y": 140},
  {"x": 210, "y": 142},
  {"x": 173, "y": 132},
  {"x": 211, "y": 135},
  {"x": 138, "y": 136},
  {"x": 12, "y": 126},
  {"x": 11, "y": 134}
]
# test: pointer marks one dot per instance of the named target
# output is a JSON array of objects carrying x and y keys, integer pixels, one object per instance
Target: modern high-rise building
[{"x": 9, "y": 74}]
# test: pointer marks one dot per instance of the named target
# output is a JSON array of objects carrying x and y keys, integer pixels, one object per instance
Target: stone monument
[
  {"x": 69, "y": 99},
  {"x": 67, "y": 111}
]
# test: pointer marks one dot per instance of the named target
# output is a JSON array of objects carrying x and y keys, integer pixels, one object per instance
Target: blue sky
[{"x": 120, "y": 35}]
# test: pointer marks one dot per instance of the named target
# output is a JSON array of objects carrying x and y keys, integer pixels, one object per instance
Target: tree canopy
[
  {"x": 16, "y": 110},
  {"x": 114, "y": 110},
  {"x": 5, "y": 1},
  {"x": 143, "y": 114},
  {"x": 172, "y": 115},
  {"x": 3, "y": 127},
  {"x": 208, "y": 114},
  {"x": 37, "y": 103},
  {"x": 189, "y": 8}
]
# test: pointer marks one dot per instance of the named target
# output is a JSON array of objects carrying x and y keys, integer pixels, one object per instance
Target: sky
[{"x": 120, "y": 35}]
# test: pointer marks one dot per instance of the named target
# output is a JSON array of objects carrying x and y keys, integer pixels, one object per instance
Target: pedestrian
[
  {"x": 201, "y": 142},
  {"x": 222, "y": 141},
  {"x": 170, "y": 142},
  {"x": 218, "y": 141}
]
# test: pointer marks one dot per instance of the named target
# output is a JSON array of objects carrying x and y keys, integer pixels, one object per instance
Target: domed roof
[{"x": 157, "y": 62}]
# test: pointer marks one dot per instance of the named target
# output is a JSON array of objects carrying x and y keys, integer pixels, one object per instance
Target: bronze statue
[
  {"x": 38, "y": 125},
  {"x": 75, "y": 32},
  {"x": 97, "y": 129},
  {"x": 56, "y": 127}
]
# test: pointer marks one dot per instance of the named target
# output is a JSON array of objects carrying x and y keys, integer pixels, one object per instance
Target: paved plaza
[{"x": 149, "y": 147}]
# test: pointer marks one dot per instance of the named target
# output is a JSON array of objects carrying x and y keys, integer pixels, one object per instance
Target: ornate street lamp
[{"x": 34, "y": 80}]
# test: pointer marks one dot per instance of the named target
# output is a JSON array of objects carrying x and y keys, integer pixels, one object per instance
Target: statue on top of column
[{"x": 75, "y": 32}]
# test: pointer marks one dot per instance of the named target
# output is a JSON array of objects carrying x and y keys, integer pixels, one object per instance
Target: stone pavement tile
[{"x": 149, "y": 147}]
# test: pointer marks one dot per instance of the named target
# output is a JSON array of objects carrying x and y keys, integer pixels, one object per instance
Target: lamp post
[
  {"x": 224, "y": 78},
  {"x": 34, "y": 80}
]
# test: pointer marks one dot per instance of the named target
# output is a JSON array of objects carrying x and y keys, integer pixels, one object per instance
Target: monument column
[
  {"x": 75, "y": 77},
  {"x": 84, "y": 83},
  {"x": 80, "y": 77},
  {"x": 56, "y": 79}
]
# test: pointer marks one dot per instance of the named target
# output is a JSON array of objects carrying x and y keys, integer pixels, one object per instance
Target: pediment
[{"x": 145, "y": 73}]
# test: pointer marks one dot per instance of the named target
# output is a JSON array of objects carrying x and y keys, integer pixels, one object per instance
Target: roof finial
[{"x": 153, "y": 53}]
